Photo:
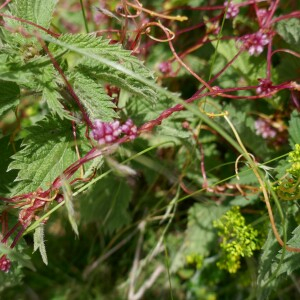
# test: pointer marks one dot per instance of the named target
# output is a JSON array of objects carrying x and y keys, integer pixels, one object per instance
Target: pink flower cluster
[
  {"x": 109, "y": 132},
  {"x": 265, "y": 87},
  {"x": 265, "y": 129},
  {"x": 254, "y": 43},
  {"x": 263, "y": 14},
  {"x": 165, "y": 67},
  {"x": 4, "y": 264},
  {"x": 232, "y": 10}
]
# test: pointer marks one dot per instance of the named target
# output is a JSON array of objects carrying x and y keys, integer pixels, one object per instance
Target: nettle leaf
[
  {"x": 9, "y": 96},
  {"x": 265, "y": 281},
  {"x": 294, "y": 129},
  {"x": 289, "y": 30},
  {"x": 94, "y": 98},
  {"x": 107, "y": 203},
  {"x": 37, "y": 11},
  {"x": 290, "y": 262},
  {"x": 119, "y": 79},
  {"x": 68, "y": 197},
  {"x": 192, "y": 3},
  {"x": 200, "y": 236},
  {"x": 251, "y": 68},
  {"x": 288, "y": 68},
  {"x": 50, "y": 93},
  {"x": 7, "y": 150},
  {"x": 48, "y": 151},
  {"x": 39, "y": 243},
  {"x": 273, "y": 265},
  {"x": 107, "y": 70},
  {"x": 17, "y": 255},
  {"x": 143, "y": 111},
  {"x": 12, "y": 278}
]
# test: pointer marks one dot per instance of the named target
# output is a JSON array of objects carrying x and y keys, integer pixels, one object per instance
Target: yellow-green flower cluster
[
  {"x": 294, "y": 158},
  {"x": 195, "y": 259},
  {"x": 238, "y": 239}
]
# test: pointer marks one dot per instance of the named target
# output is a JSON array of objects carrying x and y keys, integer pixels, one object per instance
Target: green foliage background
[{"x": 146, "y": 209}]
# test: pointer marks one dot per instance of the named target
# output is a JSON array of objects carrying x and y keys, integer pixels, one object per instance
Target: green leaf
[
  {"x": 200, "y": 236},
  {"x": 107, "y": 203},
  {"x": 9, "y": 96},
  {"x": 68, "y": 197},
  {"x": 48, "y": 151},
  {"x": 95, "y": 47},
  {"x": 294, "y": 129},
  {"x": 51, "y": 93},
  {"x": 288, "y": 68},
  {"x": 251, "y": 68},
  {"x": 93, "y": 97},
  {"x": 12, "y": 278},
  {"x": 6, "y": 151},
  {"x": 266, "y": 267},
  {"x": 290, "y": 262},
  {"x": 289, "y": 30},
  {"x": 37, "y": 11},
  {"x": 39, "y": 243},
  {"x": 274, "y": 266},
  {"x": 192, "y": 3},
  {"x": 17, "y": 255}
]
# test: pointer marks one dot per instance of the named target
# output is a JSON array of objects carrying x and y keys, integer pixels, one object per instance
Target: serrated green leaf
[
  {"x": 107, "y": 203},
  {"x": 290, "y": 262},
  {"x": 9, "y": 96},
  {"x": 39, "y": 243},
  {"x": 98, "y": 45},
  {"x": 93, "y": 97},
  {"x": 37, "y": 11},
  {"x": 273, "y": 266},
  {"x": 270, "y": 250},
  {"x": 294, "y": 129},
  {"x": 289, "y": 29},
  {"x": 12, "y": 278},
  {"x": 91, "y": 46},
  {"x": 288, "y": 68},
  {"x": 6, "y": 151},
  {"x": 173, "y": 129},
  {"x": 68, "y": 197},
  {"x": 48, "y": 151},
  {"x": 16, "y": 255},
  {"x": 50, "y": 93},
  {"x": 251, "y": 68},
  {"x": 200, "y": 236},
  {"x": 114, "y": 77},
  {"x": 192, "y": 3}
]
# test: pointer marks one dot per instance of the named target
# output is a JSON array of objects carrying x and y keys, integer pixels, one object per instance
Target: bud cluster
[
  {"x": 109, "y": 132},
  {"x": 265, "y": 87},
  {"x": 238, "y": 239},
  {"x": 294, "y": 158},
  {"x": 232, "y": 10},
  {"x": 165, "y": 67},
  {"x": 254, "y": 43},
  {"x": 4, "y": 264},
  {"x": 264, "y": 128}
]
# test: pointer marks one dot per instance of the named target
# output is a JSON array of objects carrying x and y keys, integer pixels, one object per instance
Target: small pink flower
[
  {"x": 262, "y": 15},
  {"x": 165, "y": 67},
  {"x": 5, "y": 264},
  {"x": 264, "y": 129},
  {"x": 129, "y": 129},
  {"x": 109, "y": 132},
  {"x": 232, "y": 10},
  {"x": 254, "y": 43},
  {"x": 265, "y": 87}
]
